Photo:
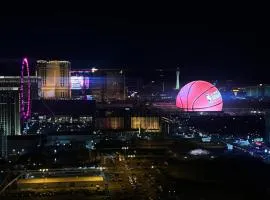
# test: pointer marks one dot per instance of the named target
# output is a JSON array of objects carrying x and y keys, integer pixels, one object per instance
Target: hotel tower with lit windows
[{"x": 55, "y": 77}]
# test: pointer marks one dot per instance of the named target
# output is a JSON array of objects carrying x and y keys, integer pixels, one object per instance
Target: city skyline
[
  {"x": 11, "y": 67},
  {"x": 134, "y": 102}
]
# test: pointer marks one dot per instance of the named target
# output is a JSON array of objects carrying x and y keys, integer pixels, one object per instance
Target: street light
[{"x": 125, "y": 148}]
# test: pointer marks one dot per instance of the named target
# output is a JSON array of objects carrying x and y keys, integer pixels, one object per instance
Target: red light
[{"x": 258, "y": 143}]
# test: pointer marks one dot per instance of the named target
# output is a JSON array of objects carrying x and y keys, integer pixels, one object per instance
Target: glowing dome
[{"x": 199, "y": 96}]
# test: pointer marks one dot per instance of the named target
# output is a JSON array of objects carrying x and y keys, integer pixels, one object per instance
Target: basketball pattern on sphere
[{"x": 199, "y": 96}]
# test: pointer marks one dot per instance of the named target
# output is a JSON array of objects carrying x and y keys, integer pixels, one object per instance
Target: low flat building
[{"x": 65, "y": 183}]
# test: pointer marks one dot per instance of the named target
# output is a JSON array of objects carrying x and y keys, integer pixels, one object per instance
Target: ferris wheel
[{"x": 25, "y": 90}]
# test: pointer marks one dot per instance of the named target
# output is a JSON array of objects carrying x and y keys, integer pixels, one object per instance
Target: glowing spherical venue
[
  {"x": 25, "y": 95},
  {"x": 199, "y": 96}
]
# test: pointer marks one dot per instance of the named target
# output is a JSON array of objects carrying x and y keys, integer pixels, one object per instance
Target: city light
[
  {"x": 94, "y": 69},
  {"x": 197, "y": 152},
  {"x": 25, "y": 101}
]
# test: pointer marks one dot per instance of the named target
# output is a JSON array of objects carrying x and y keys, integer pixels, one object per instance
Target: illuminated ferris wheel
[{"x": 25, "y": 90}]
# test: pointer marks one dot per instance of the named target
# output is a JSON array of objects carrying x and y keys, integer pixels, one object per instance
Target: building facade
[
  {"x": 101, "y": 85},
  {"x": 258, "y": 91},
  {"x": 15, "y": 81},
  {"x": 115, "y": 89},
  {"x": 10, "y": 111},
  {"x": 9, "y": 115},
  {"x": 55, "y": 76}
]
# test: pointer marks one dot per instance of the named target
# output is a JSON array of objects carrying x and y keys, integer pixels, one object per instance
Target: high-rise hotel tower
[{"x": 55, "y": 77}]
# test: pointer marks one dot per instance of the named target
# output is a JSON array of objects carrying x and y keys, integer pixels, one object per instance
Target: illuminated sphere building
[{"x": 199, "y": 96}]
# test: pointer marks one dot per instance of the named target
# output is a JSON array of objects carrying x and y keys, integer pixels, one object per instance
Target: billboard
[{"x": 79, "y": 82}]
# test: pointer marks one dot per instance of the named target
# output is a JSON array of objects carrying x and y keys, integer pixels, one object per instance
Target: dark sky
[{"x": 221, "y": 46}]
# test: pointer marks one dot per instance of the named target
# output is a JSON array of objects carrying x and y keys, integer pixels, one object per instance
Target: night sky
[{"x": 217, "y": 47}]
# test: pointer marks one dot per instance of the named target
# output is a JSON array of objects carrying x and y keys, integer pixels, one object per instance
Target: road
[{"x": 135, "y": 177}]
